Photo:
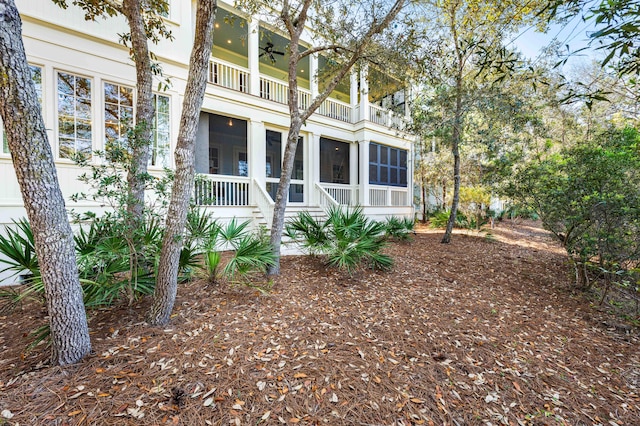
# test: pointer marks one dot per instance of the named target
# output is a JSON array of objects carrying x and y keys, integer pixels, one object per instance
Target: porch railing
[
  {"x": 219, "y": 190},
  {"x": 325, "y": 200},
  {"x": 345, "y": 195},
  {"x": 274, "y": 90},
  {"x": 378, "y": 115},
  {"x": 388, "y": 196},
  {"x": 229, "y": 76},
  {"x": 264, "y": 202},
  {"x": 335, "y": 109}
]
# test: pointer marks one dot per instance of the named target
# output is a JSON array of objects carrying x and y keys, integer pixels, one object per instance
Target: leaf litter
[{"x": 480, "y": 331}]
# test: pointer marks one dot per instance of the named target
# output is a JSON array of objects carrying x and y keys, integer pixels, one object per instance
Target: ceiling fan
[{"x": 269, "y": 51}]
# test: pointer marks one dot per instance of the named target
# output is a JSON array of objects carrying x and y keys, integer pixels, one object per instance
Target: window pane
[
  {"x": 393, "y": 175},
  {"x": 74, "y": 115},
  {"x": 373, "y": 153},
  {"x": 161, "y": 132},
  {"x": 403, "y": 158},
  {"x": 373, "y": 173},
  {"x": 384, "y": 174},
  {"x": 394, "y": 157},
  {"x": 384, "y": 155},
  {"x": 403, "y": 176}
]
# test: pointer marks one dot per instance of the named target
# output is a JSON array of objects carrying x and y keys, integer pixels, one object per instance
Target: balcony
[{"x": 251, "y": 59}]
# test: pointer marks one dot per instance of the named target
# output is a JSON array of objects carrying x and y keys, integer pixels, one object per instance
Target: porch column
[
  {"x": 353, "y": 171},
  {"x": 363, "y": 146},
  {"x": 253, "y": 50},
  {"x": 364, "y": 92},
  {"x": 313, "y": 76},
  {"x": 257, "y": 151},
  {"x": 353, "y": 96},
  {"x": 314, "y": 167}
]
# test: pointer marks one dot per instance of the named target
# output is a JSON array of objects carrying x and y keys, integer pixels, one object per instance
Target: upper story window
[
  {"x": 74, "y": 115},
  {"x": 387, "y": 166},
  {"x": 36, "y": 76},
  {"x": 118, "y": 112},
  {"x": 161, "y": 132}
]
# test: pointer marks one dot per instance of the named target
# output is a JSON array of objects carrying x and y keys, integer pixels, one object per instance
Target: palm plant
[{"x": 347, "y": 238}]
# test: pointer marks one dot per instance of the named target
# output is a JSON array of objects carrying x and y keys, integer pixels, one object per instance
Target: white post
[
  {"x": 353, "y": 97},
  {"x": 257, "y": 151},
  {"x": 364, "y": 92},
  {"x": 364, "y": 173},
  {"x": 253, "y": 51},
  {"x": 314, "y": 166},
  {"x": 313, "y": 76}
]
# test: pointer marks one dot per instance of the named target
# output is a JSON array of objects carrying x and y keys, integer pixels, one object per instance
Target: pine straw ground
[{"x": 481, "y": 331}]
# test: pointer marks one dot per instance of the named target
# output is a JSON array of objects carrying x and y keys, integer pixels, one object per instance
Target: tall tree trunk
[
  {"x": 36, "y": 173},
  {"x": 167, "y": 280},
  {"x": 455, "y": 150},
  {"x": 140, "y": 144},
  {"x": 456, "y": 135}
]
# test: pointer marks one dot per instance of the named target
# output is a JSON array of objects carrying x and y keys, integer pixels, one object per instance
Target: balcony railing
[
  {"x": 229, "y": 76},
  {"x": 237, "y": 78},
  {"x": 220, "y": 190},
  {"x": 335, "y": 109}
]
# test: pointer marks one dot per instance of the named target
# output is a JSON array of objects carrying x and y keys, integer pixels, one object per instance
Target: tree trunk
[
  {"x": 167, "y": 280},
  {"x": 424, "y": 201},
  {"x": 456, "y": 136},
  {"x": 140, "y": 144},
  {"x": 43, "y": 200}
]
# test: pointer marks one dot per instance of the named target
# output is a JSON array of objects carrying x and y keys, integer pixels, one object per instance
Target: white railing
[
  {"x": 274, "y": 90},
  {"x": 304, "y": 98},
  {"x": 264, "y": 202},
  {"x": 218, "y": 190},
  {"x": 345, "y": 195},
  {"x": 229, "y": 76},
  {"x": 336, "y": 109},
  {"x": 378, "y": 115},
  {"x": 325, "y": 200},
  {"x": 388, "y": 196}
]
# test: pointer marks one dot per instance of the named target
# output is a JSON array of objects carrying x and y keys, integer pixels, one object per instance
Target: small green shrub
[
  {"x": 399, "y": 229},
  {"x": 347, "y": 238}
]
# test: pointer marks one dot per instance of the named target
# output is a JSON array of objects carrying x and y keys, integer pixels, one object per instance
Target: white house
[{"x": 350, "y": 151}]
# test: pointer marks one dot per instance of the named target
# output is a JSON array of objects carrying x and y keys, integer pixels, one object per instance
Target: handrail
[
  {"x": 228, "y": 75},
  {"x": 264, "y": 202},
  {"x": 326, "y": 200}
]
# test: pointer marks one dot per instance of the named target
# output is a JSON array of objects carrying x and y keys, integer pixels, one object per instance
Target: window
[
  {"x": 74, "y": 115},
  {"x": 161, "y": 132},
  {"x": 118, "y": 112},
  {"x": 387, "y": 166},
  {"x": 36, "y": 76},
  {"x": 334, "y": 161}
]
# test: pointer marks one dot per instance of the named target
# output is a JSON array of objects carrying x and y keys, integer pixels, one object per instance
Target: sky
[{"x": 575, "y": 33}]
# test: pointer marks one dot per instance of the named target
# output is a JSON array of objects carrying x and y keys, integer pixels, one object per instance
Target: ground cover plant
[{"x": 487, "y": 331}]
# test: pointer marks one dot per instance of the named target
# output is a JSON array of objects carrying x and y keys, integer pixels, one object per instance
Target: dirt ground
[{"x": 484, "y": 331}]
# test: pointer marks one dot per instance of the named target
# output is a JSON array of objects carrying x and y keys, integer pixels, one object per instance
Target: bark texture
[
  {"x": 43, "y": 200},
  {"x": 167, "y": 280},
  {"x": 141, "y": 143}
]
